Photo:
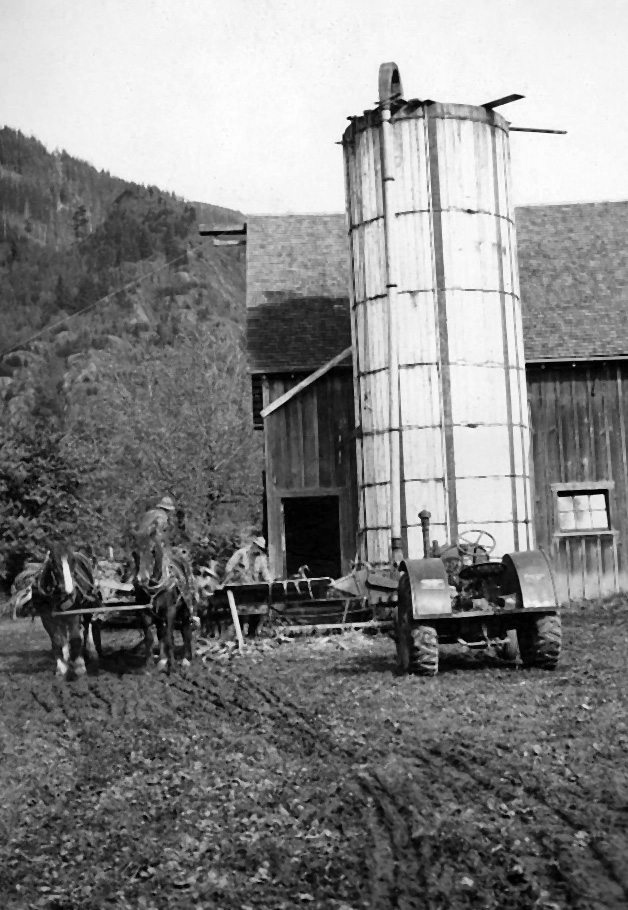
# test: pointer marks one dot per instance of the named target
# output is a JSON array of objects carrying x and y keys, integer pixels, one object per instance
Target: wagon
[{"x": 299, "y": 604}]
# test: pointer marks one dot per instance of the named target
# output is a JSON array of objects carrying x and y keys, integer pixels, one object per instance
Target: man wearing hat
[
  {"x": 156, "y": 522},
  {"x": 248, "y": 564}
]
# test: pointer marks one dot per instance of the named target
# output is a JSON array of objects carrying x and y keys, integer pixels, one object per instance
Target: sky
[{"x": 241, "y": 103}]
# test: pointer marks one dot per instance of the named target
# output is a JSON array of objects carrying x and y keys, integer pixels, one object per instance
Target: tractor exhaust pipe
[{"x": 425, "y": 529}]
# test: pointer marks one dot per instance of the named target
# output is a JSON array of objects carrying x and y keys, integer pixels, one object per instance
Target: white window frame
[{"x": 583, "y": 488}]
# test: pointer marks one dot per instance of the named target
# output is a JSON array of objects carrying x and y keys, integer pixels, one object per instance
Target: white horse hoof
[
  {"x": 79, "y": 667},
  {"x": 61, "y": 669},
  {"x": 185, "y": 663},
  {"x": 162, "y": 664}
]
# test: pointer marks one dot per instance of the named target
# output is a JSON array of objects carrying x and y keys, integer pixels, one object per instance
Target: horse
[
  {"x": 164, "y": 580},
  {"x": 65, "y": 583}
]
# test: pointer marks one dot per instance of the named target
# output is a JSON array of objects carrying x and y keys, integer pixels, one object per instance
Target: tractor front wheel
[
  {"x": 403, "y": 630},
  {"x": 540, "y": 642},
  {"x": 417, "y": 646},
  {"x": 424, "y": 659}
]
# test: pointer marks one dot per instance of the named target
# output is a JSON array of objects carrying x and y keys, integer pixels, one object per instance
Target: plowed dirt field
[{"x": 311, "y": 775}]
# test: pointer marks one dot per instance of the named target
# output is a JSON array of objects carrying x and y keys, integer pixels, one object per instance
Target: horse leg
[
  {"x": 60, "y": 649},
  {"x": 76, "y": 645},
  {"x": 96, "y": 629},
  {"x": 167, "y": 637},
  {"x": 187, "y": 631},
  {"x": 91, "y": 635},
  {"x": 149, "y": 638},
  {"x": 254, "y": 620}
]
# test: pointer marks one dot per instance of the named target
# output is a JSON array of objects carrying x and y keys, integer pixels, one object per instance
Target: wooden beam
[
  {"x": 378, "y": 625},
  {"x": 238, "y": 230},
  {"x": 530, "y": 129},
  {"x": 507, "y": 99},
  {"x": 236, "y": 619},
  {"x": 298, "y": 388}
]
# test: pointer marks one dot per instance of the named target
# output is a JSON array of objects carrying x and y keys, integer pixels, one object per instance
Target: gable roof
[
  {"x": 297, "y": 335},
  {"x": 296, "y": 256},
  {"x": 573, "y": 272},
  {"x": 573, "y": 265}
]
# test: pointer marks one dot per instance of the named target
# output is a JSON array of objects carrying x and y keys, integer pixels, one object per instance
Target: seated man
[{"x": 248, "y": 564}]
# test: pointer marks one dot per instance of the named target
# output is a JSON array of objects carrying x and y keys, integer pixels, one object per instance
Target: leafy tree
[
  {"x": 178, "y": 422},
  {"x": 38, "y": 495}
]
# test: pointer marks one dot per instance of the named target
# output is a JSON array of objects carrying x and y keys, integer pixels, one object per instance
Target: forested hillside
[{"x": 122, "y": 369}]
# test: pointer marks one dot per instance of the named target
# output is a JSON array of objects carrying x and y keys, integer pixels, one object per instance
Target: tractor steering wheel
[{"x": 470, "y": 543}]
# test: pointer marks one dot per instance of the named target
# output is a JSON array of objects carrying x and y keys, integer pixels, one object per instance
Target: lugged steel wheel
[
  {"x": 424, "y": 653},
  {"x": 403, "y": 632},
  {"x": 540, "y": 642}
]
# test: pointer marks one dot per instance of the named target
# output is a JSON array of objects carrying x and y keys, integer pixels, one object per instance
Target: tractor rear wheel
[
  {"x": 540, "y": 642},
  {"x": 424, "y": 656}
]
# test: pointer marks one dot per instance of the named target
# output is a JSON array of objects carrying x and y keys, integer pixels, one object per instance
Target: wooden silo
[{"x": 436, "y": 326}]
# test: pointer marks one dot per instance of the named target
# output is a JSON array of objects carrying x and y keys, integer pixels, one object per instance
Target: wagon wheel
[{"x": 475, "y": 542}]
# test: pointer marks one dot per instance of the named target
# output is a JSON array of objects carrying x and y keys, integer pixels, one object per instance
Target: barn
[{"x": 573, "y": 262}]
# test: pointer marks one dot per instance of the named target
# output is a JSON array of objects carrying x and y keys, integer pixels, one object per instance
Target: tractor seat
[{"x": 482, "y": 570}]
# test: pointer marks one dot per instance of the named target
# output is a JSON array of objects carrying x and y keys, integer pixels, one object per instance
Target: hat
[
  {"x": 260, "y": 542},
  {"x": 166, "y": 503}
]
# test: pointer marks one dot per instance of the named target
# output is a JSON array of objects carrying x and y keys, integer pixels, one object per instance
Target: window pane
[
  {"x": 581, "y": 502},
  {"x": 584, "y": 521},
  {"x": 598, "y": 502},
  {"x": 565, "y": 503},
  {"x": 600, "y": 519},
  {"x": 567, "y": 521}
]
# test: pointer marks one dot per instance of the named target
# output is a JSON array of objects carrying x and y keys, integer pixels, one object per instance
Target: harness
[
  {"x": 166, "y": 582},
  {"x": 48, "y": 589}
]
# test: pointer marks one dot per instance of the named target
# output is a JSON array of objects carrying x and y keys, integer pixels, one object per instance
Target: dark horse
[
  {"x": 65, "y": 583},
  {"x": 164, "y": 580}
]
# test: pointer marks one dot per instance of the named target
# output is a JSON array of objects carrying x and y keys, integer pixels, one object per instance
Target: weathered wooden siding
[
  {"x": 310, "y": 451},
  {"x": 578, "y": 420}
]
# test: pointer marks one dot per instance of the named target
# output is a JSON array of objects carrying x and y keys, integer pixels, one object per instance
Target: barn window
[{"x": 583, "y": 508}]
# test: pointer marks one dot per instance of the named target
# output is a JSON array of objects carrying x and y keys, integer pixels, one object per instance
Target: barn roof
[
  {"x": 290, "y": 257},
  {"x": 573, "y": 263},
  {"x": 299, "y": 334}
]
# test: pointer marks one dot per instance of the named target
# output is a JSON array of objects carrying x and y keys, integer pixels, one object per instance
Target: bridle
[
  {"x": 51, "y": 589},
  {"x": 166, "y": 581}
]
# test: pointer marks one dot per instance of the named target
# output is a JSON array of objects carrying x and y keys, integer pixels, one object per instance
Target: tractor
[{"x": 458, "y": 595}]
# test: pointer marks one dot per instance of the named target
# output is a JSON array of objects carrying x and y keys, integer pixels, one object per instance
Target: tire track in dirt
[
  {"x": 401, "y": 860},
  {"x": 398, "y": 875},
  {"x": 401, "y": 863},
  {"x": 404, "y": 856},
  {"x": 597, "y": 874}
]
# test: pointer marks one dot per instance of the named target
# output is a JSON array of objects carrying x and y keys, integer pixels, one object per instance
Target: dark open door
[{"x": 312, "y": 534}]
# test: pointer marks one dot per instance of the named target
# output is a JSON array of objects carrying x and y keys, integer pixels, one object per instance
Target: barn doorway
[{"x": 312, "y": 534}]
